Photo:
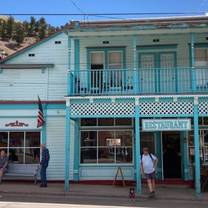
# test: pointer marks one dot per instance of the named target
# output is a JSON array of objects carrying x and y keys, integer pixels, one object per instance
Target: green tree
[
  {"x": 19, "y": 33},
  {"x": 26, "y": 26},
  {"x": 31, "y": 31},
  {"x": 42, "y": 28},
  {"x": 10, "y": 27},
  {"x": 3, "y": 29}
]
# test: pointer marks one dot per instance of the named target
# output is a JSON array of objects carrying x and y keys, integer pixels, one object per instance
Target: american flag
[{"x": 40, "y": 119}]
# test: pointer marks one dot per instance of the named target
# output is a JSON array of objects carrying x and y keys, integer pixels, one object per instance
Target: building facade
[{"x": 109, "y": 89}]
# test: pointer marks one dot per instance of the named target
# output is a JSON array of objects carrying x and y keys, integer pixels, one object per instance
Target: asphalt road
[{"x": 45, "y": 201}]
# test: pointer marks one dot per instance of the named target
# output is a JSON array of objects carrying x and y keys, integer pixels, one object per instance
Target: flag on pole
[{"x": 40, "y": 119}]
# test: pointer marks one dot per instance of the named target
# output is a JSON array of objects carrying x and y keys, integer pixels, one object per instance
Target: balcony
[{"x": 138, "y": 82}]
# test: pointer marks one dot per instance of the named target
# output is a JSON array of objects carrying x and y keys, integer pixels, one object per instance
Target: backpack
[{"x": 150, "y": 157}]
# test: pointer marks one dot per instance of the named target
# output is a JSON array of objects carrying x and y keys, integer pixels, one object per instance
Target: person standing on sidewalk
[
  {"x": 148, "y": 168},
  {"x": 43, "y": 165},
  {"x": 3, "y": 163}
]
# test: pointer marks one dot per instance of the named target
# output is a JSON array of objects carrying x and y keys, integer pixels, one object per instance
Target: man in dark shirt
[
  {"x": 3, "y": 163},
  {"x": 43, "y": 165}
]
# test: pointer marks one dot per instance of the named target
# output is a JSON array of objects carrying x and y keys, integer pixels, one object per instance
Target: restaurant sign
[{"x": 166, "y": 124}]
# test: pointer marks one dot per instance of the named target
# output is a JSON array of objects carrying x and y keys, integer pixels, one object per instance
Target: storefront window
[
  {"x": 203, "y": 138},
  {"x": 22, "y": 147},
  {"x": 106, "y": 146},
  {"x": 3, "y": 139},
  {"x": 106, "y": 122}
]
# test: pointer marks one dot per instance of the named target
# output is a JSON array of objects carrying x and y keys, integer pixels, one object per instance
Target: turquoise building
[{"x": 110, "y": 88}]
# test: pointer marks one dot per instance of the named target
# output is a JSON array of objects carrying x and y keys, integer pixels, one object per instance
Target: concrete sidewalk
[{"x": 166, "y": 192}]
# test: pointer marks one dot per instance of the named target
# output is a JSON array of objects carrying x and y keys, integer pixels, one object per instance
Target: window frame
[
  {"x": 24, "y": 147},
  {"x": 97, "y": 130}
]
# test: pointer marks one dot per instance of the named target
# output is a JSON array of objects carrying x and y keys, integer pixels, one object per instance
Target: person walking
[
  {"x": 43, "y": 165},
  {"x": 3, "y": 163},
  {"x": 148, "y": 168}
]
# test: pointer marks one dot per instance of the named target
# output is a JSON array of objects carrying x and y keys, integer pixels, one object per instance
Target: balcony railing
[{"x": 141, "y": 81}]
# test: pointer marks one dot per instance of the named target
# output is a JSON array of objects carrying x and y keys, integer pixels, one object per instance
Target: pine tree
[
  {"x": 42, "y": 28},
  {"x": 3, "y": 29},
  {"x": 10, "y": 27},
  {"x": 32, "y": 23},
  {"x": 19, "y": 33},
  {"x": 26, "y": 27}
]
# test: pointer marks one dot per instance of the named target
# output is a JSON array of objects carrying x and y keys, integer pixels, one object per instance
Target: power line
[{"x": 104, "y": 14}]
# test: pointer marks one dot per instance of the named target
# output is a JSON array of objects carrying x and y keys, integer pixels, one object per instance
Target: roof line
[{"x": 30, "y": 46}]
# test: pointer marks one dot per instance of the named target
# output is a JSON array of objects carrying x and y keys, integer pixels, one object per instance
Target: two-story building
[{"x": 110, "y": 88}]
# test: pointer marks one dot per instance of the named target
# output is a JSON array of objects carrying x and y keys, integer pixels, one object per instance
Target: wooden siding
[
  {"x": 56, "y": 145},
  {"x": 49, "y": 84}
]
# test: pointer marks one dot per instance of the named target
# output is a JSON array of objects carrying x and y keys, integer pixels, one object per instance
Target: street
[{"x": 45, "y": 201}]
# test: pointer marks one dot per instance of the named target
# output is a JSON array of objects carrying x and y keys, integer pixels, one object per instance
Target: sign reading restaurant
[{"x": 166, "y": 124}]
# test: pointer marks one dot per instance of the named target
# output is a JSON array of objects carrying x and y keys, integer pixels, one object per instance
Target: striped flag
[{"x": 40, "y": 119}]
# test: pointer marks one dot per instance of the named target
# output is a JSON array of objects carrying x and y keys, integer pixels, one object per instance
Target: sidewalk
[{"x": 166, "y": 192}]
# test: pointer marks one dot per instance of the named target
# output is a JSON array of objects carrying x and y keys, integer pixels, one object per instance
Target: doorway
[
  {"x": 171, "y": 155},
  {"x": 157, "y": 72}
]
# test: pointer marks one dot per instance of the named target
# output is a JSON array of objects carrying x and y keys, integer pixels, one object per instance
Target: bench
[{"x": 22, "y": 172}]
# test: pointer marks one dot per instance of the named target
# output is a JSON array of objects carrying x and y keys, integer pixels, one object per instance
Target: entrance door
[
  {"x": 157, "y": 72},
  {"x": 97, "y": 67},
  {"x": 171, "y": 155}
]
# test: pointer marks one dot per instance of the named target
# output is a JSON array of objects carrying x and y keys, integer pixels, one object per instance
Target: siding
[
  {"x": 56, "y": 145},
  {"x": 49, "y": 84}
]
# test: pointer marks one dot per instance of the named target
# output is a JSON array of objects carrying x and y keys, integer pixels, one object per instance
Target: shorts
[{"x": 150, "y": 175}]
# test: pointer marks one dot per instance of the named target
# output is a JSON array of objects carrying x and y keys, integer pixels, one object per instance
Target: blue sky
[{"x": 97, "y": 6}]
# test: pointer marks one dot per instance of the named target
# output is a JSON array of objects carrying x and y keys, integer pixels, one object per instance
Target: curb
[{"x": 83, "y": 194}]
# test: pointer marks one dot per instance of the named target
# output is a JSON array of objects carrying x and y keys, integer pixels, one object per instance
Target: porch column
[
  {"x": 157, "y": 136},
  {"x": 192, "y": 61},
  {"x": 69, "y": 74},
  {"x": 196, "y": 148},
  {"x": 184, "y": 155},
  {"x": 67, "y": 147},
  {"x": 135, "y": 70},
  {"x": 76, "y": 55},
  {"x": 137, "y": 148},
  {"x": 76, "y": 150}
]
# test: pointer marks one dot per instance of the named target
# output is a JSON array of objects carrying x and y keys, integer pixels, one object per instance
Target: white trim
[{"x": 133, "y": 97}]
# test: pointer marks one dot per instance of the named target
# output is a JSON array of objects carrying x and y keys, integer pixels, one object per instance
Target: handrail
[{"x": 175, "y": 80}]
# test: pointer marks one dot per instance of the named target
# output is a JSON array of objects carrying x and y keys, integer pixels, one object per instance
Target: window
[
  {"x": 31, "y": 54},
  {"x": 201, "y": 64},
  {"x": 203, "y": 138},
  {"x": 57, "y": 42},
  {"x": 21, "y": 147},
  {"x": 106, "y": 142},
  {"x": 106, "y": 122}
]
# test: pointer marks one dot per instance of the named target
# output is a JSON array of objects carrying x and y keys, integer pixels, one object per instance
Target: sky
[{"x": 97, "y": 6}]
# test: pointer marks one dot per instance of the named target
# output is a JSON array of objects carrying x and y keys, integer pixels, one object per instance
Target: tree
[
  {"x": 42, "y": 28},
  {"x": 51, "y": 29},
  {"x": 19, "y": 33},
  {"x": 31, "y": 31},
  {"x": 10, "y": 27},
  {"x": 26, "y": 26},
  {"x": 3, "y": 29}
]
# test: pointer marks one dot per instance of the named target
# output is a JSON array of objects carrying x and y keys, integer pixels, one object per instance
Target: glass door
[
  {"x": 114, "y": 68},
  {"x": 147, "y": 75},
  {"x": 201, "y": 65},
  {"x": 97, "y": 65},
  {"x": 167, "y": 72},
  {"x": 157, "y": 72}
]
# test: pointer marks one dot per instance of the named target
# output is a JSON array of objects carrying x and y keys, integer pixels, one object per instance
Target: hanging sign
[{"x": 166, "y": 124}]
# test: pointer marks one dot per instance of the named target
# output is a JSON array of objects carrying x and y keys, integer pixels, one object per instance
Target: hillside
[{"x": 15, "y": 35}]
